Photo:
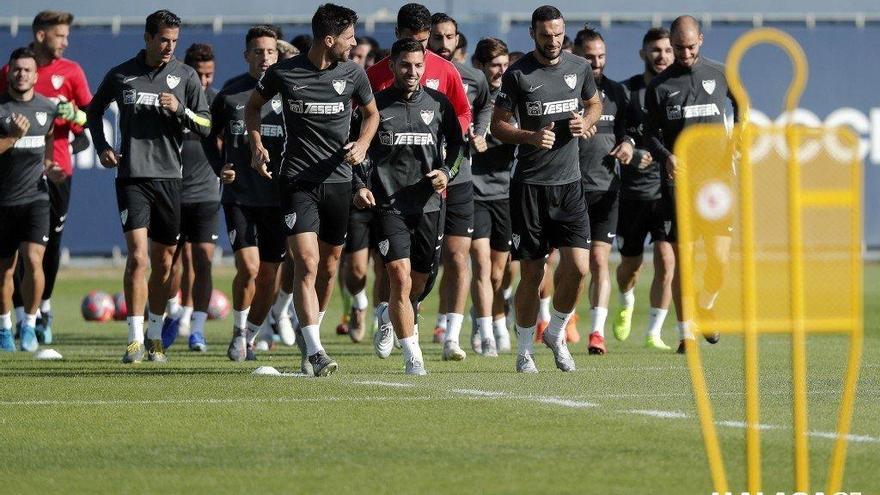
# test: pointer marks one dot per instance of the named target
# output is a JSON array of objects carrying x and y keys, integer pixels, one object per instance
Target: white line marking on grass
[
  {"x": 656, "y": 414},
  {"x": 385, "y": 384},
  {"x": 563, "y": 402},
  {"x": 479, "y": 393},
  {"x": 209, "y": 401},
  {"x": 743, "y": 424}
]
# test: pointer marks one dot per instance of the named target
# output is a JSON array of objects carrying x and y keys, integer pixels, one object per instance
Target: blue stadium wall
[{"x": 842, "y": 89}]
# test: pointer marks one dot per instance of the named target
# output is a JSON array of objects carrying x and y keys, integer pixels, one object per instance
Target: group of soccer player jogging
[{"x": 326, "y": 159}]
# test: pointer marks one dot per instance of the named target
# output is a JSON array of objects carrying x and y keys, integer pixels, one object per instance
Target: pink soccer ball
[
  {"x": 97, "y": 306},
  {"x": 120, "y": 309},
  {"x": 218, "y": 307}
]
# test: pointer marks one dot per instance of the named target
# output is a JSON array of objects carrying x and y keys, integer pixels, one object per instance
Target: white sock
[
  {"x": 186, "y": 313},
  {"x": 198, "y": 321},
  {"x": 30, "y": 320},
  {"x": 239, "y": 318},
  {"x": 684, "y": 330},
  {"x": 500, "y": 328},
  {"x": 442, "y": 322},
  {"x": 19, "y": 313},
  {"x": 312, "y": 336},
  {"x": 453, "y": 326},
  {"x": 656, "y": 316},
  {"x": 6, "y": 321},
  {"x": 359, "y": 301},
  {"x": 556, "y": 329},
  {"x": 135, "y": 329},
  {"x": 507, "y": 293},
  {"x": 628, "y": 298},
  {"x": 524, "y": 338},
  {"x": 707, "y": 300},
  {"x": 597, "y": 317},
  {"x": 279, "y": 309},
  {"x": 172, "y": 307},
  {"x": 154, "y": 326},
  {"x": 484, "y": 323},
  {"x": 410, "y": 347},
  {"x": 253, "y": 331},
  {"x": 46, "y": 306},
  {"x": 544, "y": 309}
]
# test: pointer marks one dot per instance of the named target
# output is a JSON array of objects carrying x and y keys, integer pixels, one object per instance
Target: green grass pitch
[{"x": 624, "y": 423}]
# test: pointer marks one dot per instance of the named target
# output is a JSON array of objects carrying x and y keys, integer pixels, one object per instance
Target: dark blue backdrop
[{"x": 843, "y": 75}]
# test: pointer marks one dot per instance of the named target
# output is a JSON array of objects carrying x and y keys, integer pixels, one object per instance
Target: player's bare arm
[
  {"x": 259, "y": 154},
  {"x": 357, "y": 150}
]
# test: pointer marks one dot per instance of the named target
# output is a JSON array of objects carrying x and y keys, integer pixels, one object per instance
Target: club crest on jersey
[
  {"x": 123, "y": 215},
  {"x": 172, "y": 81},
  {"x": 571, "y": 80},
  {"x": 709, "y": 85},
  {"x": 432, "y": 83},
  {"x": 41, "y": 117},
  {"x": 386, "y": 138},
  {"x": 57, "y": 81},
  {"x": 383, "y": 247},
  {"x": 232, "y": 236},
  {"x": 290, "y": 220},
  {"x": 515, "y": 239},
  {"x": 339, "y": 85},
  {"x": 276, "y": 106},
  {"x": 427, "y": 116}
]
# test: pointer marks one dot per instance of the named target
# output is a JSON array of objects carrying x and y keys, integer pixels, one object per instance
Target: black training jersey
[
  {"x": 680, "y": 97},
  {"x": 317, "y": 113},
  {"x": 410, "y": 143},
  {"x": 537, "y": 95},
  {"x": 599, "y": 170},
  {"x": 477, "y": 90},
  {"x": 491, "y": 168},
  {"x": 200, "y": 181},
  {"x": 227, "y": 114},
  {"x": 636, "y": 183},
  {"x": 151, "y": 136},
  {"x": 21, "y": 167}
]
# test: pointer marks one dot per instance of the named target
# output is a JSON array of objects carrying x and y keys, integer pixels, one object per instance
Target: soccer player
[
  {"x": 26, "y": 125},
  {"x": 409, "y": 171},
  {"x": 199, "y": 224},
  {"x": 317, "y": 89},
  {"x": 490, "y": 249},
  {"x": 158, "y": 97},
  {"x": 693, "y": 90},
  {"x": 554, "y": 97},
  {"x": 64, "y": 82},
  {"x": 601, "y": 157},
  {"x": 641, "y": 208},
  {"x": 251, "y": 202},
  {"x": 459, "y": 223}
]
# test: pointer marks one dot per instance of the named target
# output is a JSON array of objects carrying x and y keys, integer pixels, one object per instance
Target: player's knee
[
  {"x": 496, "y": 278},
  {"x": 137, "y": 261},
  {"x": 399, "y": 276}
]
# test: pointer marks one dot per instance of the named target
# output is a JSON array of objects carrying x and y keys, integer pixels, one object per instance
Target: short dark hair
[
  {"x": 332, "y": 20},
  {"x": 374, "y": 45},
  {"x": 654, "y": 34},
  {"x": 684, "y": 21},
  {"x": 50, "y": 18},
  {"x": 279, "y": 33},
  {"x": 405, "y": 45},
  {"x": 161, "y": 18},
  {"x": 566, "y": 43},
  {"x": 302, "y": 42},
  {"x": 586, "y": 35},
  {"x": 545, "y": 13},
  {"x": 462, "y": 42},
  {"x": 259, "y": 31},
  {"x": 489, "y": 48},
  {"x": 198, "y": 52},
  {"x": 414, "y": 17},
  {"x": 22, "y": 52},
  {"x": 442, "y": 17}
]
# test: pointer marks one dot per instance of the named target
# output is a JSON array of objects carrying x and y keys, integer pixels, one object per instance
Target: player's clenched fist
[
  {"x": 438, "y": 179},
  {"x": 20, "y": 125},
  {"x": 260, "y": 161},
  {"x": 169, "y": 102},
  {"x": 543, "y": 137},
  {"x": 227, "y": 174},
  {"x": 110, "y": 158}
]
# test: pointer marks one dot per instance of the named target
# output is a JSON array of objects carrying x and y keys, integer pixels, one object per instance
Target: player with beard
[
  {"x": 64, "y": 82},
  {"x": 601, "y": 159},
  {"x": 158, "y": 97},
  {"x": 459, "y": 224},
  {"x": 490, "y": 249},
  {"x": 199, "y": 224},
  {"x": 693, "y": 90},
  {"x": 26, "y": 122},
  {"x": 641, "y": 208},
  {"x": 317, "y": 90},
  {"x": 409, "y": 170},
  {"x": 554, "y": 98}
]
